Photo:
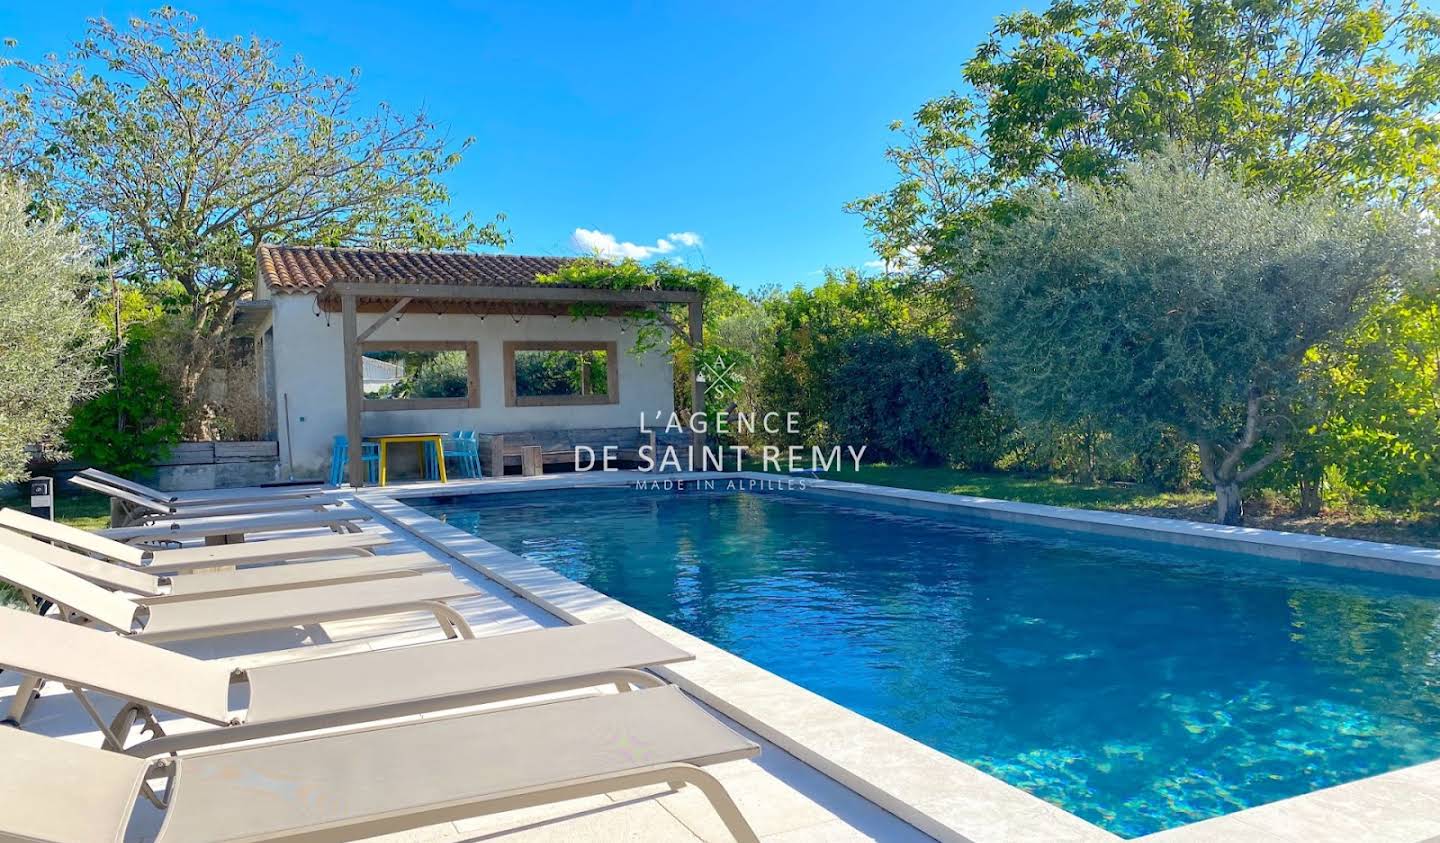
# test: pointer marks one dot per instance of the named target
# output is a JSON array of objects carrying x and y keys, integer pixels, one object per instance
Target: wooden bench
[{"x": 557, "y": 447}]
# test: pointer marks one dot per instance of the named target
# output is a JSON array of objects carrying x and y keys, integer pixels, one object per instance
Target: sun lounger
[
  {"x": 234, "y": 529},
  {"x": 151, "y": 589},
  {"x": 190, "y": 558},
  {"x": 206, "y": 496},
  {"x": 217, "y": 616},
  {"x": 131, "y": 509},
  {"x": 380, "y": 780},
  {"x": 322, "y": 693},
  {"x": 76, "y": 599}
]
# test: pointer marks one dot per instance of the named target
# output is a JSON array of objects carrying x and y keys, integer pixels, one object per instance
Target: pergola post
[
  {"x": 697, "y": 386},
  {"x": 353, "y": 392}
]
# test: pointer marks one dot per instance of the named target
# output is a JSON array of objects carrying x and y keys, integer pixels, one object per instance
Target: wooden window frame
[
  {"x": 612, "y": 373},
  {"x": 472, "y": 376}
]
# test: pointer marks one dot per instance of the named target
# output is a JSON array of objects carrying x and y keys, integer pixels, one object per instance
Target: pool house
[{"x": 360, "y": 343}]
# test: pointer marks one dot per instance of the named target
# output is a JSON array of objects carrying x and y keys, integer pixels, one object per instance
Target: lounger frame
[{"x": 130, "y": 509}]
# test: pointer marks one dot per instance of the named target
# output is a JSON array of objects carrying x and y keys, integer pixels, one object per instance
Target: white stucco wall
[{"x": 310, "y": 378}]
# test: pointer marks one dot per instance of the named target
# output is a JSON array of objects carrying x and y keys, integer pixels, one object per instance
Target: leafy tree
[
  {"x": 191, "y": 149},
  {"x": 1178, "y": 298},
  {"x": 1303, "y": 96},
  {"x": 48, "y": 340},
  {"x": 1378, "y": 419}
]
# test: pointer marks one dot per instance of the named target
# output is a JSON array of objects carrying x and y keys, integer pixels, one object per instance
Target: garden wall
[{"x": 207, "y": 465}]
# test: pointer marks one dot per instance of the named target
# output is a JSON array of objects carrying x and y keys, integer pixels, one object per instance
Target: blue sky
[{"x": 745, "y": 124}]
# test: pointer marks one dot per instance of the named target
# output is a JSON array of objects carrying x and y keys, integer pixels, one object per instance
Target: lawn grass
[
  {"x": 76, "y": 507},
  {"x": 1415, "y": 528},
  {"x": 1021, "y": 487}
]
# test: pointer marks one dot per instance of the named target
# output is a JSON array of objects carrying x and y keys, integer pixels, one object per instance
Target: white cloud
[
  {"x": 606, "y": 245},
  {"x": 906, "y": 261}
]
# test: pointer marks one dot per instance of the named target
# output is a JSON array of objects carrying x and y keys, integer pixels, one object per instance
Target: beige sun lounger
[
  {"x": 203, "y": 497},
  {"x": 341, "y": 519},
  {"x": 380, "y": 780},
  {"x": 190, "y": 558},
  {"x": 151, "y": 589},
  {"x": 79, "y": 600},
  {"x": 217, "y": 616},
  {"x": 135, "y": 509},
  {"x": 322, "y": 693}
]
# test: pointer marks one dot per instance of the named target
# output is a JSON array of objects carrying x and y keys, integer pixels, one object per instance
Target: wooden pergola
[{"x": 391, "y": 300}]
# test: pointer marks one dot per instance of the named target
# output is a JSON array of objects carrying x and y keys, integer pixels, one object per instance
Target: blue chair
[
  {"x": 467, "y": 452},
  {"x": 463, "y": 446},
  {"x": 340, "y": 458}
]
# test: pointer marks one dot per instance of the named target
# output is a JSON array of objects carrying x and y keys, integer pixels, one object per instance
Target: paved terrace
[{"x": 784, "y": 800}]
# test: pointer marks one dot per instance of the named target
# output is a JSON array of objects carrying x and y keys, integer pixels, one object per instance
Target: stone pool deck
[{"x": 825, "y": 773}]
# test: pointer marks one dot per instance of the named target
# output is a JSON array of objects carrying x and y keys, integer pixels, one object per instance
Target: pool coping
[{"x": 939, "y": 795}]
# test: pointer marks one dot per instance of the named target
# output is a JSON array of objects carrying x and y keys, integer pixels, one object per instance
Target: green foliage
[
  {"x": 1330, "y": 96},
  {"x": 48, "y": 340},
  {"x": 191, "y": 149},
  {"x": 1378, "y": 404},
  {"x": 446, "y": 375},
  {"x": 734, "y": 323},
  {"x": 560, "y": 373},
  {"x": 133, "y": 424},
  {"x": 1324, "y": 98},
  {"x": 983, "y": 432},
  {"x": 878, "y": 362},
  {"x": 900, "y": 396},
  {"x": 630, "y": 274},
  {"x": 1178, "y": 299},
  {"x": 808, "y": 327}
]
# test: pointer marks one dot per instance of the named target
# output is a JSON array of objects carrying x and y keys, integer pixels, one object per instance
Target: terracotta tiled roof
[{"x": 308, "y": 269}]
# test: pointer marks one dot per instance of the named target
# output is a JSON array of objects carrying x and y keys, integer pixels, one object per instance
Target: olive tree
[
  {"x": 49, "y": 342},
  {"x": 1178, "y": 298}
]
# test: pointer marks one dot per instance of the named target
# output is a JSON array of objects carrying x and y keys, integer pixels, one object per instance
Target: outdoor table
[{"x": 421, "y": 440}]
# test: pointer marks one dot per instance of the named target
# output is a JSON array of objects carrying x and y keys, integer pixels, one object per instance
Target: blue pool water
[{"x": 1136, "y": 685}]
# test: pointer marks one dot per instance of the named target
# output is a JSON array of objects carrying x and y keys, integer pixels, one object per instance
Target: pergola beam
[
  {"x": 532, "y": 294},
  {"x": 451, "y": 307},
  {"x": 697, "y": 386},
  {"x": 354, "y": 392},
  {"x": 392, "y": 313}
]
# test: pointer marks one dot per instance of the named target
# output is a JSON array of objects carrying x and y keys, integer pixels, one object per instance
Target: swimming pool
[{"x": 1136, "y": 685}]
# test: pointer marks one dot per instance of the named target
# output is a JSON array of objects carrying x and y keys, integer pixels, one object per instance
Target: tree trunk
[
  {"x": 1227, "y": 503},
  {"x": 1310, "y": 481}
]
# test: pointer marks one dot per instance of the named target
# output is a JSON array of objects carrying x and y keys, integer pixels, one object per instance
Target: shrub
[
  {"x": 133, "y": 424},
  {"x": 897, "y": 395}
]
